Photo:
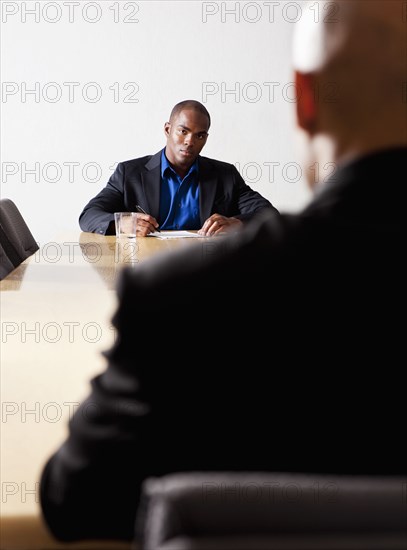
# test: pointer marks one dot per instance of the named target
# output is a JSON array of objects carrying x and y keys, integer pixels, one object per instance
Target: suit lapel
[
  {"x": 207, "y": 189},
  {"x": 151, "y": 182}
]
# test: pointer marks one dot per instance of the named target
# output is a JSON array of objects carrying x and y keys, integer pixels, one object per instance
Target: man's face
[{"x": 186, "y": 135}]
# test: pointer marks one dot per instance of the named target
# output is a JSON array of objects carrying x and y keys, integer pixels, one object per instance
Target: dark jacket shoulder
[
  {"x": 137, "y": 163},
  {"x": 215, "y": 165}
]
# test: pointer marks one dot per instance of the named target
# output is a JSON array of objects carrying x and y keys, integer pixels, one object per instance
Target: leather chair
[
  {"x": 16, "y": 240},
  {"x": 6, "y": 265},
  {"x": 273, "y": 511}
]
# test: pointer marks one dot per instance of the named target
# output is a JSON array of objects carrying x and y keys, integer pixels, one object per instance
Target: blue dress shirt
[{"x": 179, "y": 198}]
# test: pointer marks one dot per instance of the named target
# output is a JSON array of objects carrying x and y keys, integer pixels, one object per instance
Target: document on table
[{"x": 174, "y": 234}]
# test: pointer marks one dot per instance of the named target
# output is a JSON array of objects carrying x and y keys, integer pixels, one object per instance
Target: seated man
[
  {"x": 277, "y": 348},
  {"x": 176, "y": 187}
]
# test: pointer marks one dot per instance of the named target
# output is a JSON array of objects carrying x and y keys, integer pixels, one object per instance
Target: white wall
[{"x": 171, "y": 50}]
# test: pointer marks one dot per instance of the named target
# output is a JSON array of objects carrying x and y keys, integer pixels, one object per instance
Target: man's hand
[
  {"x": 145, "y": 224},
  {"x": 216, "y": 224}
]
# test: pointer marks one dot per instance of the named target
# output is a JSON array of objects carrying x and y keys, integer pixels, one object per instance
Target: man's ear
[
  {"x": 167, "y": 127},
  {"x": 306, "y": 102}
]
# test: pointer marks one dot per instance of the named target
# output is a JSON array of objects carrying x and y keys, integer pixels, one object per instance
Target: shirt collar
[{"x": 165, "y": 165}]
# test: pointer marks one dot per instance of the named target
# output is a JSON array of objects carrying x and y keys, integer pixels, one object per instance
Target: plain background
[{"x": 88, "y": 84}]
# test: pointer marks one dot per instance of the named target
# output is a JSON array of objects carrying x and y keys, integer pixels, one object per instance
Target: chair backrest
[
  {"x": 16, "y": 238},
  {"x": 6, "y": 264},
  {"x": 247, "y": 511}
]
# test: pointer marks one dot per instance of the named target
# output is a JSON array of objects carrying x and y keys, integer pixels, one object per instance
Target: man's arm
[
  {"x": 249, "y": 201},
  {"x": 97, "y": 216},
  {"x": 245, "y": 204},
  {"x": 90, "y": 486}
]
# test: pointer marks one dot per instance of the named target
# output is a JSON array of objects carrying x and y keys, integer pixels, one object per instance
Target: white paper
[{"x": 174, "y": 234}]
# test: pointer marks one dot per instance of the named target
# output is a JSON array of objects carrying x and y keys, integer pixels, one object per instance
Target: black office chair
[
  {"x": 16, "y": 239},
  {"x": 6, "y": 264},
  {"x": 259, "y": 511}
]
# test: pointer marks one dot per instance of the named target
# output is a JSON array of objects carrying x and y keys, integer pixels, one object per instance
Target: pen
[{"x": 142, "y": 211}]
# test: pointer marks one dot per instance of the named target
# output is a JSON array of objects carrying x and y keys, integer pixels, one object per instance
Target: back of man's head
[{"x": 350, "y": 58}]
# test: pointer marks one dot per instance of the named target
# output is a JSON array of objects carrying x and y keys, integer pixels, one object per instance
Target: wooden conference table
[{"x": 56, "y": 310}]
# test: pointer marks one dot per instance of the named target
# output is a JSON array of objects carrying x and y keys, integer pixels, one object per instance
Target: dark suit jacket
[
  {"x": 277, "y": 349},
  {"x": 221, "y": 190}
]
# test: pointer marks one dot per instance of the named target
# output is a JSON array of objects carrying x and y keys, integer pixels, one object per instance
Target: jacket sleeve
[
  {"x": 89, "y": 488},
  {"x": 249, "y": 202},
  {"x": 97, "y": 215}
]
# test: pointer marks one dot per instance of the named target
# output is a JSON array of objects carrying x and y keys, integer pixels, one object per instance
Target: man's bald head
[
  {"x": 347, "y": 27},
  {"x": 356, "y": 53}
]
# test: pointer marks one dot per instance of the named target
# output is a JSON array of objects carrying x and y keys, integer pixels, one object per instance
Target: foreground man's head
[{"x": 350, "y": 60}]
